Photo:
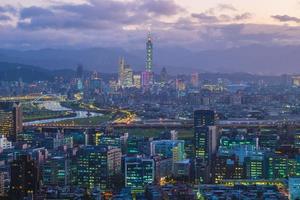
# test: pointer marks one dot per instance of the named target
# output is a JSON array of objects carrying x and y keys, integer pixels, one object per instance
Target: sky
[{"x": 192, "y": 24}]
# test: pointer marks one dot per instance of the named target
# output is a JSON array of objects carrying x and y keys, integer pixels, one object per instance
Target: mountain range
[{"x": 257, "y": 59}]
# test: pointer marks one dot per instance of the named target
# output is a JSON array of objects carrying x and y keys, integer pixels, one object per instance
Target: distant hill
[
  {"x": 251, "y": 59},
  {"x": 28, "y": 73}
]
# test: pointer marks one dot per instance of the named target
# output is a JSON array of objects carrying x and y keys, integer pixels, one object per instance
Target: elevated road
[{"x": 179, "y": 124}]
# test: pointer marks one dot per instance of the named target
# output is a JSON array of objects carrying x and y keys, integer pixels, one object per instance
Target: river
[{"x": 55, "y": 106}]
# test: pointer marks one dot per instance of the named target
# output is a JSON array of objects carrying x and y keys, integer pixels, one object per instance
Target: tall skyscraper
[
  {"x": 147, "y": 75},
  {"x": 11, "y": 119},
  {"x": 25, "y": 177},
  {"x": 125, "y": 74},
  {"x": 205, "y": 137},
  {"x": 149, "y": 59}
]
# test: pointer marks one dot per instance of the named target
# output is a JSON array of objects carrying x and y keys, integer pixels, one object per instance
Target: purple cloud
[
  {"x": 286, "y": 18},
  {"x": 202, "y": 17},
  {"x": 5, "y": 17}
]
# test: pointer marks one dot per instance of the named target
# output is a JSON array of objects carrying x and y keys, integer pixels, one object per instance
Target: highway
[{"x": 178, "y": 124}]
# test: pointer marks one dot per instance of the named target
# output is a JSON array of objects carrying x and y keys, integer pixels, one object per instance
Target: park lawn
[{"x": 97, "y": 120}]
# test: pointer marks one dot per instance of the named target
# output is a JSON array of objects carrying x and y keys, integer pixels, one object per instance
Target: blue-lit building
[
  {"x": 138, "y": 173},
  {"x": 57, "y": 171},
  {"x": 294, "y": 188},
  {"x": 96, "y": 166},
  {"x": 168, "y": 149}
]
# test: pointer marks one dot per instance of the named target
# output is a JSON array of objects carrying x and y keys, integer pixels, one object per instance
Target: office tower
[
  {"x": 128, "y": 77},
  {"x": 163, "y": 75},
  {"x": 121, "y": 72},
  {"x": 138, "y": 173},
  {"x": 205, "y": 138},
  {"x": 180, "y": 85},
  {"x": 277, "y": 166},
  {"x": 205, "y": 143},
  {"x": 168, "y": 149},
  {"x": 125, "y": 75},
  {"x": 79, "y": 72},
  {"x": 181, "y": 169},
  {"x": 195, "y": 80},
  {"x": 133, "y": 146},
  {"x": 79, "y": 77},
  {"x": 25, "y": 177},
  {"x": 294, "y": 188},
  {"x": 138, "y": 146},
  {"x": 137, "y": 81},
  {"x": 97, "y": 166},
  {"x": 163, "y": 168},
  {"x": 109, "y": 140},
  {"x": 57, "y": 171},
  {"x": 11, "y": 119},
  {"x": 255, "y": 166},
  {"x": 4, "y": 143},
  {"x": 204, "y": 118}
]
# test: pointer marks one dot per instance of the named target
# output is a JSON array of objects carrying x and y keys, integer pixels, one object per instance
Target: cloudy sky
[{"x": 193, "y": 24}]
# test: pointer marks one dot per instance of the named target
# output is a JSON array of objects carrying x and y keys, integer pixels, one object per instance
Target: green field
[{"x": 88, "y": 121}]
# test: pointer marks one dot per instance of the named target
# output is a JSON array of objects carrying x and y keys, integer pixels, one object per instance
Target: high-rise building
[
  {"x": 255, "y": 166},
  {"x": 205, "y": 137},
  {"x": 294, "y": 188},
  {"x": 4, "y": 143},
  {"x": 57, "y": 171},
  {"x": 138, "y": 173},
  {"x": 25, "y": 177},
  {"x": 137, "y": 81},
  {"x": 205, "y": 143},
  {"x": 277, "y": 166},
  {"x": 147, "y": 75},
  {"x": 79, "y": 72},
  {"x": 163, "y": 75},
  {"x": 128, "y": 77},
  {"x": 195, "y": 80},
  {"x": 79, "y": 77},
  {"x": 168, "y": 149},
  {"x": 11, "y": 119},
  {"x": 97, "y": 166},
  {"x": 125, "y": 74},
  {"x": 149, "y": 59},
  {"x": 204, "y": 118}
]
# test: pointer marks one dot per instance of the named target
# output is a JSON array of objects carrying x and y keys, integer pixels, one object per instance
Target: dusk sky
[{"x": 193, "y": 24}]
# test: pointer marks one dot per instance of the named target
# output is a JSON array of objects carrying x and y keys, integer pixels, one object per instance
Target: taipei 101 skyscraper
[
  {"x": 147, "y": 75},
  {"x": 149, "y": 47}
]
